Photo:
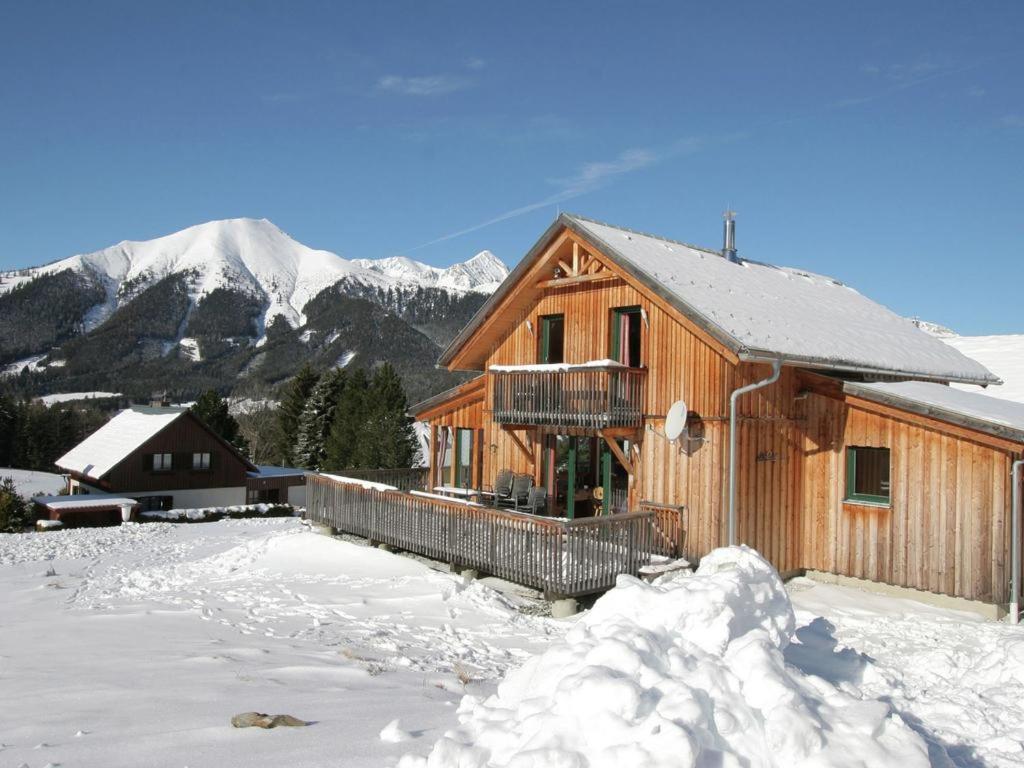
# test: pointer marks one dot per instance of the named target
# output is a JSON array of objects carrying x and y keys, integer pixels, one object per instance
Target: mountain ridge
[{"x": 252, "y": 256}]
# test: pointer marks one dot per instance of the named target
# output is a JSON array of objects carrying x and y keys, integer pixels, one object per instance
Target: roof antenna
[{"x": 729, "y": 236}]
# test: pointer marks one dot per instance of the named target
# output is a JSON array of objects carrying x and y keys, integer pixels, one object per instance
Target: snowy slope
[
  {"x": 253, "y": 256},
  {"x": 1003, "y": 355}
]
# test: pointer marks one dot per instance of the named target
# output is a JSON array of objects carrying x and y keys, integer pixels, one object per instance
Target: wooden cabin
[
  {"x": 167, "y": 458},
  {"x": 844, "y": 462}
]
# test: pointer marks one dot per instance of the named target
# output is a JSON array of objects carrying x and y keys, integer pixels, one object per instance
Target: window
[
  {"x": 155, "y": 503},
  {"x": 162, "y": 462},
  {"x": 263, "y": 496},
  {"x": 552, "y": 339},
  {"x": 200, "y": 461},
  {"x": 867, "y": 475},
  {"x": 626, "y": 336},
  {"x": 464, "y": 451}
]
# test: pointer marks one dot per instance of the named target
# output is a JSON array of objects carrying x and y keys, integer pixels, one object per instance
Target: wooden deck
[
  {"x": 561, "y": 557},
  {"x": 585, "y": 397}
]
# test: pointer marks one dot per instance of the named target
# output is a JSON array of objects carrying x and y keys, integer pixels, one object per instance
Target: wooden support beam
[
  {"x": 575, "y": 258},
  {"x": 566, "y": 269},
  {"x": 560, "y": 281},
  {"x": 614, "y": 446},
  {"x": 521, "y": 446}
]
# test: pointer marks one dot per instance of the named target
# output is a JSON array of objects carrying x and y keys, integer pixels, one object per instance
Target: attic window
[
  {"x": 867, "y": 475},
  {"x": 162, "y": 462},
  {"x": 200, "y": 461}
]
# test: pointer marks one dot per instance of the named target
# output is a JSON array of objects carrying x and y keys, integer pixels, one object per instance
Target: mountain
[
  {"x": 225, "y": 300},
  {"x": 484, "y": 272}
]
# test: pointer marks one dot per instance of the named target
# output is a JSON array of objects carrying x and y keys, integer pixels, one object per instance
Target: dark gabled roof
[
  {"x": 758, "y": 310},
  {"x": 116, "y": 440}
]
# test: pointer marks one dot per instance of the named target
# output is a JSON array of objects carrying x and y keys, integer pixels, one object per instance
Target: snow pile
[{"x": 683, "y": 672}]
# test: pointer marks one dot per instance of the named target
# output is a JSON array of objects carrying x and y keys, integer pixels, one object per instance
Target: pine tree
[
  {"x": 389, "y": 438},
  {"x": 315, "y": 421},
  {"x": 293, "y": 403},
  {"x": 342, "y": 449},
  {"x": 213, "y": 411}
]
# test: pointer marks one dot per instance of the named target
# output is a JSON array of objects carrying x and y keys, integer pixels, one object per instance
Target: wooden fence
[
  {"x": 591, "y": 397},
  {"x": 561, "y": 557}
]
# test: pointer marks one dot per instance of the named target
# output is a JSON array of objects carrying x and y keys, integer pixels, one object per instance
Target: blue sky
[{"x": 882, "y": 143}]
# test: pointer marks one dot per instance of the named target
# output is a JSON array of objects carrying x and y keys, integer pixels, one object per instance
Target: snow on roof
[
  {"x": 989, "y": 414},
  {"x": 762, "y": 309},
  {"x": 82, "y": 502},
  {"x": 265, "y": 470},
  {"x": 105, "y": 448}
]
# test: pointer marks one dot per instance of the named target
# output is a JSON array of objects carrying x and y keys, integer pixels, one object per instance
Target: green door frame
[
  {"x": 545, "y": 335},
  {"x": 617, "y": 314}
]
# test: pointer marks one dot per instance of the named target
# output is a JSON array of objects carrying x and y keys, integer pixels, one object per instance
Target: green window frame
[
  {"x": 876, "y": 460},
  {"x": 616, "y": 337},
  {"x": 549, "y": 344}
]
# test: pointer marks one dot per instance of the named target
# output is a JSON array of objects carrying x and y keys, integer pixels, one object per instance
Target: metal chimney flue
[{"x": 729, "y": 236}]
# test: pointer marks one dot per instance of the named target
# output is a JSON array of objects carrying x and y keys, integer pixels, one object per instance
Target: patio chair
[
  {"x": 521, "y": 485},
  {"x": 502, "y": 487},
  {"x": 536, "y": 501}
]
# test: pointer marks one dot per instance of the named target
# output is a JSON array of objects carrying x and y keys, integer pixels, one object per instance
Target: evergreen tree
[
  {"x": 342, "y": 450},
  {"x": 316, "y": 419},
  {"x": 388, "y": 439},
  {"x": 213, "y": 411},
  {"x": 14, "y": 510},
  {"x": 293, "y": 402},
  {"x": 8, "y": 420}
]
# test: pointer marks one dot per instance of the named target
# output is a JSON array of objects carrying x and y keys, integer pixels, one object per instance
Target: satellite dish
[{"x": 675, "y": 422}]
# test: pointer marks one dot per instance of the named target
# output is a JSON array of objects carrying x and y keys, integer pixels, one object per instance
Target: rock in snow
[{"x": 687, "y": 671}]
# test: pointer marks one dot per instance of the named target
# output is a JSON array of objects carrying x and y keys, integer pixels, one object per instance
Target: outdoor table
[{"x": 454, "y": 490}]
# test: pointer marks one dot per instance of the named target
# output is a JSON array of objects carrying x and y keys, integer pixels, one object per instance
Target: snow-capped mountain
[
  {"x": 482, "y": 273},
  {"x": 226, "y": 300},
  {"x": 255, "y": 257}
]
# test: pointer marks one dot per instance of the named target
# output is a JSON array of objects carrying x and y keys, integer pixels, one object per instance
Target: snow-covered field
[
  {"x": 30, "y": 483},
  {"x": 135, "y": 645},
  {"x": 147, "y": 639}
]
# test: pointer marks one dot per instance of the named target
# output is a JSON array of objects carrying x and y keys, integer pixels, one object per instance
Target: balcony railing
[{"x": 587, "y": 396}]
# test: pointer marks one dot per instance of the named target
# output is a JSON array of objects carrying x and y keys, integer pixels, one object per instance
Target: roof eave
[
  {"x": 934, "y": 411},
  {"x": 757, "y": 355}
]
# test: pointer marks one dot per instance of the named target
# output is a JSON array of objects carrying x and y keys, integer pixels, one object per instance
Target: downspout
[
  {"x": 733, "y": 398},
  {"x": 1015, "y": 542}
]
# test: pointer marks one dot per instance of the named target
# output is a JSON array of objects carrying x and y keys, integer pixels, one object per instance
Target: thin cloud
[
  {"x": 588, "y": 178},
  {"x": 475, "y": 62},
  {"x": 428, "y": 85}
]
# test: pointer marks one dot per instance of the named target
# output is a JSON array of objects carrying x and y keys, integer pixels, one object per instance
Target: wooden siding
[
  {"x": 182, "y": 437},
  {"x": 946, "y": 531}
]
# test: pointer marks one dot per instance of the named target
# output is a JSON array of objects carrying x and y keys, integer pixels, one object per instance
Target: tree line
[{"x": 33, "y": 436}]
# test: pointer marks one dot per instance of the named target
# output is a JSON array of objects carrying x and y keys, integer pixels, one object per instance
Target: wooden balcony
[{"x": 586, "y": 396}]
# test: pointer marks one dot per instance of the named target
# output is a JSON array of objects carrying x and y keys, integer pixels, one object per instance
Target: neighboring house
[
  {"x": 167, "y": 458},
  {"x": 599, "y": 330}
]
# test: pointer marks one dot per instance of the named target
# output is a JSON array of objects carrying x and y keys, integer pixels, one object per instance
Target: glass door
[
  {"x": 627, "y": 336},
  {"x": 464, "y": 454},
  {"x": 552, "y": 339}
]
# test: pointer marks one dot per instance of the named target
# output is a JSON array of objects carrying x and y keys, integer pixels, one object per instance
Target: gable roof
[
  {"x": 116, "y": 440},
  {"x": 758, "y": 310},
  {"x": 992, "y": 415}
]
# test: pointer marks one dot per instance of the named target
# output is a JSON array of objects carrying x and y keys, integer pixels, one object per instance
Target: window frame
[
  {"x": 201, "y": 466},
  {"x": 615, "y": 345},
  {"x": 850, "y": 495},
  {"x": 544, "y": 341},
  {"x": 164, "y": 467}
]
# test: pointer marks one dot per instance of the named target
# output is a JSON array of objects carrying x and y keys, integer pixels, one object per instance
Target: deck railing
[
  {"x": 560, "y": 557},
  {"x": 404, "y": 478},
  {"x": 591, "y": 397}
]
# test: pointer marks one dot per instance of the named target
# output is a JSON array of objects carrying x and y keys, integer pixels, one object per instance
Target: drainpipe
[
  {"x": 733, "y": 398},
  {"x": 1015, "y": 543}
]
